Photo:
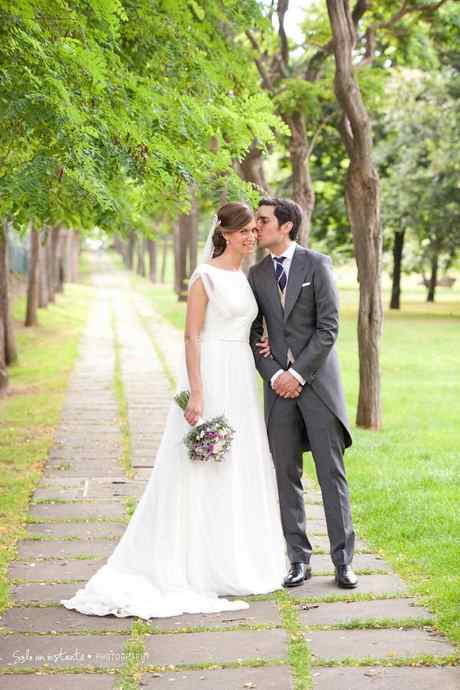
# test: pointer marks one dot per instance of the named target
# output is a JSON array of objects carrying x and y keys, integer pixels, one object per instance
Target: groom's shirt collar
[{"x": 288, "y": 252}]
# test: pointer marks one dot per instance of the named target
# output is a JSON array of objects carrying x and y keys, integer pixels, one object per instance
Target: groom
[{"x": 304, "y": 402}]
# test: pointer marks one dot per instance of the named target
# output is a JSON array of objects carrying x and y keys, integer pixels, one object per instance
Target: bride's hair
[{"x": 230, "y": 218}]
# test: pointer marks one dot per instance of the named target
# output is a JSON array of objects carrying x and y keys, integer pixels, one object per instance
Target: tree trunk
[
  {"x": 180, "y": 259},
  {"x": 43, "y": 274},
  {"x": 60, "y": 258},
  {"x": 302, "y": 184},
  {"x": 3, "y": 369},
  {"x": 433, "y": 277},
  {"x": 33, "y": 279},
  {"x": 140, "y": 270},
  {"x": 152, "y": 251},
  {"x": 398, "y": 246},
  {"x": 193, "y": 244},
  {"x": 75, "y": 257},
  {"x": 130, "y": 250},
  {"x": 65, "y": 255},
  {"x": 252, "y": 170},
  {"x": 185, "y": 248},
  {"x": 49, "y": 265},
  {"x": 164, "y": 257},
  {"x": 53, "y": 262},
  {"x": 362, "y": 196},
  {"x": 7, "y": 340}
]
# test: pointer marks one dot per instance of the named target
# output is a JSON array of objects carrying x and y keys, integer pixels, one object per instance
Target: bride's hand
[
  {"x": 194, "y": 409},
  {"x": 264, "y": 347}
]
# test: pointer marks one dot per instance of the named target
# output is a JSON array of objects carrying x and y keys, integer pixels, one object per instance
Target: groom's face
[{"x": 269, "y": 231}]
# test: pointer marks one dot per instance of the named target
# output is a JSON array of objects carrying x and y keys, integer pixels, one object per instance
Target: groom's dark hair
[{"x": 285, "y": 211}]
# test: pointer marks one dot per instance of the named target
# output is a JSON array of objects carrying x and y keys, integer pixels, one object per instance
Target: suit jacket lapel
[
  {"x": 294, "y": 284},
  {"x": 270, "y": 284}
]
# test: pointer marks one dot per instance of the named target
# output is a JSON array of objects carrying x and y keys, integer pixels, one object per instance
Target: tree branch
[
  {"x": 281, "y": 10},
  {"x": 264, "y": 75}
]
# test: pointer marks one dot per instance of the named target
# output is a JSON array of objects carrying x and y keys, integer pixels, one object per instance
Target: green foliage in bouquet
[{"x": 210, "y": 440}]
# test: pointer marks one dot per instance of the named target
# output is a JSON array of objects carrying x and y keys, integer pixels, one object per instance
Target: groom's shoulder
[
  {"x": 314, "y": 256},
  {"x": 260, "y": 264}
]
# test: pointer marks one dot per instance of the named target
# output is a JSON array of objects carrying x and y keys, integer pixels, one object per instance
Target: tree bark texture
[
  {"x": 398, "y": 246},
  {"x": 433, "y": 277},
  {"x": 362, "y": 196},
  {"x": 33, "y": 279},
  {"x": 152, "y": 252},
  {"x": 302, "y": 183},
  {"x": 8, "y": 341}
]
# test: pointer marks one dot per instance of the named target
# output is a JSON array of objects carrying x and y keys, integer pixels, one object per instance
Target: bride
[{"x": 203, "y": 530}]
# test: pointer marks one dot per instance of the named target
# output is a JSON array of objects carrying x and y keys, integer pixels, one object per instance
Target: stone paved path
[{"x": 366, "y": 639}]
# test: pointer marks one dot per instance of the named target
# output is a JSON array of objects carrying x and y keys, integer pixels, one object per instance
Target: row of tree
[
  {"x": 54, "y": 259},
  {"x": 139, "y": 117}
]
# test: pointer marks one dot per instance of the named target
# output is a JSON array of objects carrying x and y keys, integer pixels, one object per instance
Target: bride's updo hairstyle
[{"x": 230, "y": 218}]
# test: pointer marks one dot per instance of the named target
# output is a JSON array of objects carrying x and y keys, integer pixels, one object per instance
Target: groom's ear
[{"x": 288, "y": 225}]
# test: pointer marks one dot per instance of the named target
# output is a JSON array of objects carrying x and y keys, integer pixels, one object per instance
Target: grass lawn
[
  {"x": 405, "y": 480},
  {"x": 30, "y": 413}
]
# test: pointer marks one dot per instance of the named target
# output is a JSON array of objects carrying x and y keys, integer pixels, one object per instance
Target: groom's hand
[{"x": 287, "y": 386}]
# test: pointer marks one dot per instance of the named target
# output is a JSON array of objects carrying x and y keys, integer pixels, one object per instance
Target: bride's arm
[{"x": 196, "y": 310}]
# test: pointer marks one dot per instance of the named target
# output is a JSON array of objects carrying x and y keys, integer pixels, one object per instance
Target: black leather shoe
[
  {"x": 345, "y": 577},
  {"x": 298, "y": 572}
]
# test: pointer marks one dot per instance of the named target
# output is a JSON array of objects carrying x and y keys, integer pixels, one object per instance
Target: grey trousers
[{"x": 293, "y": 423}]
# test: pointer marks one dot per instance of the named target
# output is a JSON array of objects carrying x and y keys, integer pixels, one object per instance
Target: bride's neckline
[{"x": 226, "y": 270}]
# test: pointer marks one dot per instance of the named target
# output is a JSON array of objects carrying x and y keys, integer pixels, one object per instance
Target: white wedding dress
[{"x": 202, "y": 530}]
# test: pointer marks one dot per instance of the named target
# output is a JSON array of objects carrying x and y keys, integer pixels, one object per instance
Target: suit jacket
[{"x": 308, "y": 326}]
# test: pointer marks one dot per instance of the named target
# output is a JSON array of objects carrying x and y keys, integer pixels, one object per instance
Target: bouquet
[{"x": 208, "y": 440}]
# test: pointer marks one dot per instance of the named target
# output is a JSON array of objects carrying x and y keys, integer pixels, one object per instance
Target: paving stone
[
  {"x": 29, "y": 549},
  {"x": 89, "y": 489},
  {"x": 269, "y": 678},
  {"x": 317, "y": 527},
  {"x": 259, "y": 612},
  {"x": 346, "y": 612},
  {"x": 98, "y": 489},
  {"x": 37, "y": 593},
  {"x": 323, "y": 564},
  {"x": 217, "y": 647},
  {"x": 60, "y": 619},
  {"x": 321, "y": 543},
  {"x": 143, "y": 474},
  {"x": 58, "y": 493},
  {"x": 378, "y": 644},
  {"x": 323, "y": 586},
  {"x": 102, "y": 651},
  {"x": 64, "y": 483},
  {"x": 385, "y": 678},
  {"x": 314, "y": 512},
  {"x": 82, "y": 530},
  {"x": 78, "y": 510},
  {"x": 103, "y": 471},
  {"x": 75, "y": 569},
  {"x": 142, "y": 463},
  {"x": 69, "y": 453},
  {"x": 57, "y": 681}
]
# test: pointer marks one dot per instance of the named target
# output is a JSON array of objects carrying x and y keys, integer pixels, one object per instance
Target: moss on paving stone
[
  {"x": 421, "y": 660},
  {"x": 377, "y": 624},
  {"x": 299, "y": 656}
]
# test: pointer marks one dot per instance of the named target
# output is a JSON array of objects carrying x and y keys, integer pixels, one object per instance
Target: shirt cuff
[
  {"x": 275, "y": 376},
  {"x": 296, "y": 375}
]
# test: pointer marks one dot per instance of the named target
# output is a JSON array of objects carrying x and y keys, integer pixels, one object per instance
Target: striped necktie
[{"x": 280, "y": 273}]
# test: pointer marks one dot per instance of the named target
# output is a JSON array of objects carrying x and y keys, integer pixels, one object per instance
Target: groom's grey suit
[{"x": 307, "y": 327}]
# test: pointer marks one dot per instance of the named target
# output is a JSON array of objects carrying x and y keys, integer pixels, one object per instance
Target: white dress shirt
[{"x": 288, "y": 253}]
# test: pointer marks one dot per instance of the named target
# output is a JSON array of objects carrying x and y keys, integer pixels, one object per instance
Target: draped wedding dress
[{"x": 202, "y": 530}]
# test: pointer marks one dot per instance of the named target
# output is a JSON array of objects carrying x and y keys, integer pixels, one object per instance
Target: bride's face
[{"x": 243, "y": 241}]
